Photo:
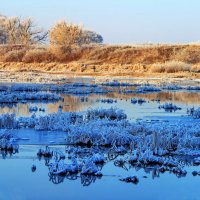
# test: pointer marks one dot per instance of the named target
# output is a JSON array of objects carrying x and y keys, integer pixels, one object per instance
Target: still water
[{"x": 18, "y": 182}]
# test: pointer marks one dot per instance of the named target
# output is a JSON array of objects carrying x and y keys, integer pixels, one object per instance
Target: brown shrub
[
  {"x": 4, "y": 49},
  {"x": 38, "y": 56},
  {"x": 14, "y": 56},
  {"x": 65, "y": 54},
  {"x": 170, "y": 67}
]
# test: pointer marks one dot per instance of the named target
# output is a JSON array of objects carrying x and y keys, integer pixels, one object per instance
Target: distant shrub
[
  {"x": 14, "y": 56},
  {"x": 170, "y": 67},
  {"x": 38, "y": 56}
]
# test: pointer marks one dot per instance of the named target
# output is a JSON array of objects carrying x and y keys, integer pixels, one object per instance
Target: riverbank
[{"x": 17, "y": 72}]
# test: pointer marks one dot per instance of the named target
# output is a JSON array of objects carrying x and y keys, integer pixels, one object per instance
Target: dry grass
[
  {"x": 37, "y": 56},
  {"x": 115, "y": 59},
  {"x": 65, "y": 54},
  {"x": 170, "y": 67},
  {"x": 14, "y": 56}
]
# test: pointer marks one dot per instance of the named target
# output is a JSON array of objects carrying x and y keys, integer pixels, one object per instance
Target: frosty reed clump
[
  {"x": 195, "y": 113},
  {"x": 15, "y": 97},
  {"x": 110, "y": 127}
]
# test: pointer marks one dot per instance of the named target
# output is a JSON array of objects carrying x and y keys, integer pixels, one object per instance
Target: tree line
[{"x": 24, "y": 31}]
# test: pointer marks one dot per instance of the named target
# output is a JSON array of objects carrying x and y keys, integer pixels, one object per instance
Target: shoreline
[{"x": 17, "y": 72}]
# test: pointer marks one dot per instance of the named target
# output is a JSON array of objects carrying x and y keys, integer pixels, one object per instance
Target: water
[
  {"x": 18, "y": 182},
  {"x": 149, "y": 109}
]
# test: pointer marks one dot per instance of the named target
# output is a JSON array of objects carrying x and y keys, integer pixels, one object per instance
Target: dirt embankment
[{"x": 136, "y": 61}]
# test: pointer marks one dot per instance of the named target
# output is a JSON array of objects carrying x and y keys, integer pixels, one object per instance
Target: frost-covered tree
[
  {"x": 29, "y": 33},
  {"x": 67, "y": 34},
  {"x": 21, "y": 31},
  {"x": 2, "y": 32},
  {"x": 92, "y": 37}
]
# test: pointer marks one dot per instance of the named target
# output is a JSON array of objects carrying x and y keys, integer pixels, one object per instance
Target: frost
[
  {"x": 116, "y": 83},
  {"x": 107, "y": 101},
  {"x": 8, "y": 143},
  {"x": 33, "y": 109},
  {"x": 193, "y": 88},
  {"x": 45, "y": 153},
  {"x": 8, "y": 121},
  {"x": 15, "y": 97},
  {"x": 148, "y": 88},
  {"x": 172, "y": 87},
  {"x": 112, "y": 114},
  {"x": 195, "y": 113},
  {"x": 139, "y": 101},
  {"x": 169, "y": 107},
  {"x": 130, "y": 179}
]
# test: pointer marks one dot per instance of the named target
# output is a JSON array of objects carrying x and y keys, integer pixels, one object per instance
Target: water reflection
[
  {"x": 86, "y": 180},
  {"x": 5, "y": 153},
  {"x": 81, "y": 103},
  {"x": 116, "y": 163}
]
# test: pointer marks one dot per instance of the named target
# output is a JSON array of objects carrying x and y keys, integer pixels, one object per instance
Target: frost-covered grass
[
  {"x": 8, "y": 121},
  {"x": 172, "y": 87},
  {"x": 194, "y": 112},
  {"x": 15, "y": 97},
  {"x": 8, "y": 142},
  {"x": 116, "y": 83},
  {"x": 33, "y": 109},
  {"x": 70, "y": 88},
  {"x": 139, "y": 100},
  {"x": 111, "y": 114},
  {"x": 110, "y": 127},
  {"x": 193, "y": 88},
  {"x": 110, "y": 101},
  {"x": 149, "y": 143},
  {"x": 169, "y": 107},
  {"x": 147, "y": 88}
]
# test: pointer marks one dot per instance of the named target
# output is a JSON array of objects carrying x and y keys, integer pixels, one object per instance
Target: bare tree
[
  {"x": 29, "y": 33},
  {"x": 22, "y": 31},
  {"x": 11, "y": 29},
  {"x": 3, "y": 37}
]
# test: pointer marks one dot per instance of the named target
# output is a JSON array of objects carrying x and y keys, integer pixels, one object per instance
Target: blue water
[{"x": 18, "y": 182}]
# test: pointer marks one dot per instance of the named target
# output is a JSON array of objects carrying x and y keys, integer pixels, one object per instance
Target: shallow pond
[{"x": 18, "y": 182}]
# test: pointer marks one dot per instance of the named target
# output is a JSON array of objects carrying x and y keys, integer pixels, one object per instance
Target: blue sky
[{"x": 118, "y": 21}]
